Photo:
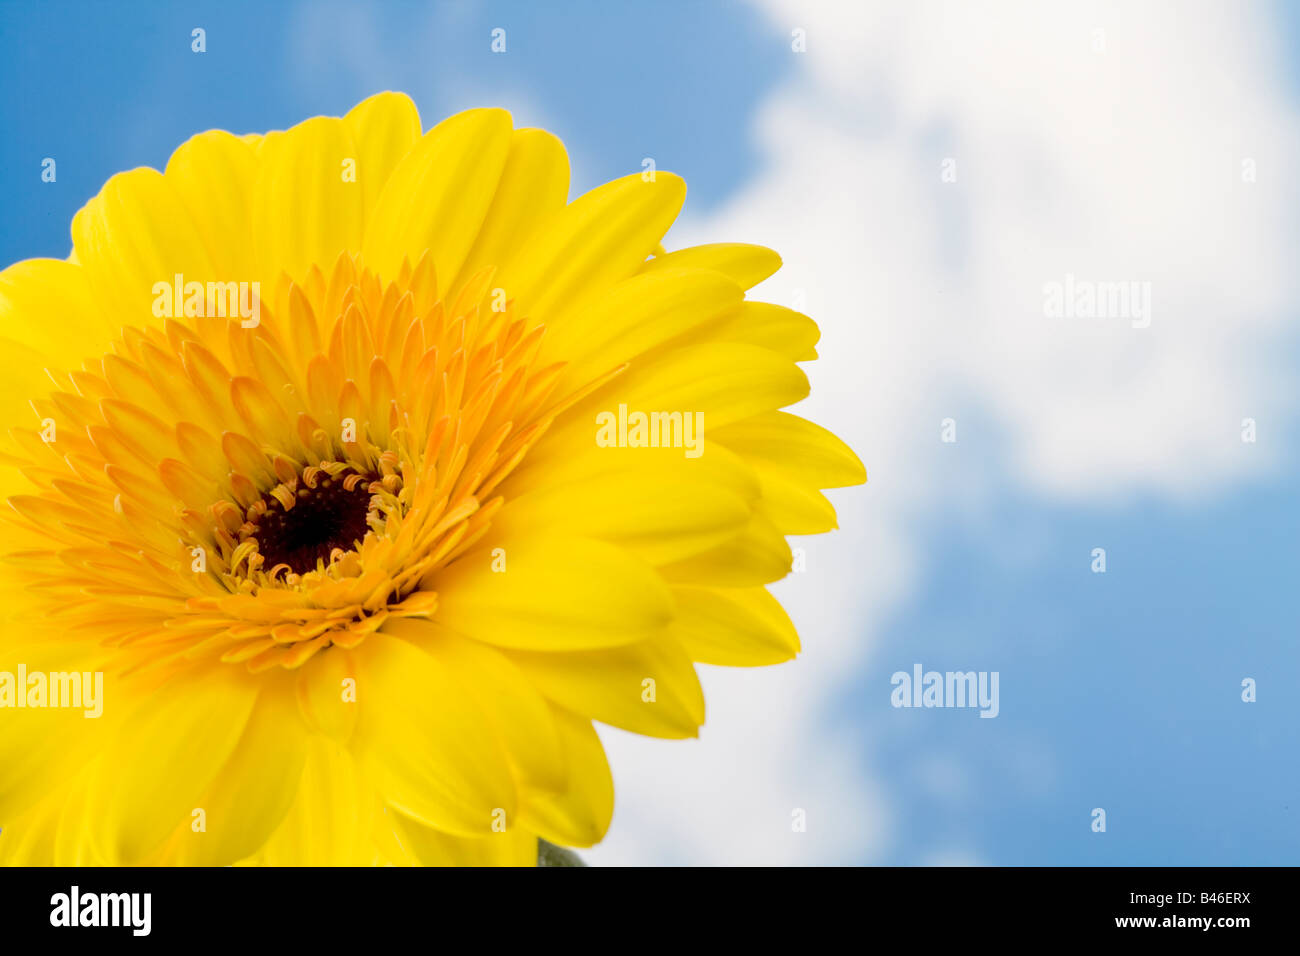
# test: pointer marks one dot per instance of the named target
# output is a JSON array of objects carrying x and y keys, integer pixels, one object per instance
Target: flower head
[{"x": 365, "y": 473}]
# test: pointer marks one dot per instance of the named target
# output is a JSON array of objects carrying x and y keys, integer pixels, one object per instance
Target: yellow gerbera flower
[{"x": 365, "y": 473}]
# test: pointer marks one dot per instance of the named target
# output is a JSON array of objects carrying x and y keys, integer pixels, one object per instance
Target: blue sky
[{"x": 1119, "y": 690}]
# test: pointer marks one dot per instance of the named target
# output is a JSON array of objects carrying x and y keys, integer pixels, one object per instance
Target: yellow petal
[
  {"x": 648, "y": 688},
  {"x": 304, "y": 210},
  {"x": 438, "y": 195},
  {"x": 331, "y": 822},
  {"x": 174, "y": 745},
  {"x": 24, "y": 380},
  {"x": 137, "y": 233},
  {"x": 561, "y": 464},
  {"x": 212, "y": 174},
  {"x": 758, "y": 555},
  {"x": 534, "y": 187},
  {"x": 426, "y": 742},
  {"x": 774, "y": 327},
  {"x": 805, "y": 452},
  {"x": 46, "y": 305},
  {"x": 48, "y": 319},
  {"x": 554, "y": 595},
  {"x": 29, "y": 839},
  {"x": 724, "y": 382},
  {"x": 384, "y": 128},
  {"x": 53, "y": 833},
  {"x": 578, "y": 815},
  {"x": 598, "y": 239},
  {"x": 747, "y": 265},
  {"x": 519, "y": 714},
  {"x": 255, "y": 788},
  {"x": 326, "y": 694},
  {"x": 635, "y": 316},
  {"x": 734, "y": 627},
  {"x": 41, "y": 748},
  {"x": 512, "y": 846},
  {"x": 793, "y": 507},
  {"x": 663, "y": 512}
]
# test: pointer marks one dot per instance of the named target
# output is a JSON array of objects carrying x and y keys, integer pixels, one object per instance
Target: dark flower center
[{"x": 331, "y": 515}]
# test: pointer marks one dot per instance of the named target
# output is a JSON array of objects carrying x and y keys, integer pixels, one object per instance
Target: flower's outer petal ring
[
  {"x": 733, "y": 627},
  {"x": 774, "y": 327},
  {"x": 518, "y": 712},
  {"x": 561, "y": 594},
  {"x": 333, "y": 820},
  {"x": 662, "y": 512},
  {"x": 758, "y": 555},
  {"x": 580, "y": 814},
  {"x": 636, "y": 316},
  {"x": 648, "y": 688},
  {"x": 174, "y": 743},
  {"x": 255, "y": 788},
  {"x": 437, "y": 197},
  {"x": 534, "y": 187},
  {"x": 598, "y": 239},
  {"x": 305, "y": 211},
  {"x": 746, "y": 264},
  {"x": 134, "y": 235},
  {"x": 512, "y": 845},
  {"x": 212, "y": 174},
  {"x": 723, "y": 382},
  {"x": 430, "y": 747},
  {"x": 802, "y": 450},
  {"x": 384, "y": 128}
]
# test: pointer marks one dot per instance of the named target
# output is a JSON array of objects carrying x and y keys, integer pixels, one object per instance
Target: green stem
[{"x": 548, "y": 854}]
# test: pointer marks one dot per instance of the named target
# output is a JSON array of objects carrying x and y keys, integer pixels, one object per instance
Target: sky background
[{"x": 1111, "y": 156}]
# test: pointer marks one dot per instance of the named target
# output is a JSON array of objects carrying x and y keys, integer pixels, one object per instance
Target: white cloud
[{"x": 1109, "y": 166}]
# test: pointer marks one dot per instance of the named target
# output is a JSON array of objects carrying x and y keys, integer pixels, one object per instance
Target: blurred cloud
[{"x": 1102, "y": 141}]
